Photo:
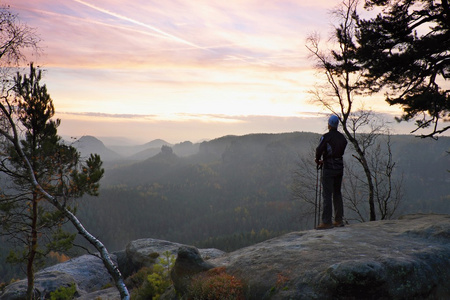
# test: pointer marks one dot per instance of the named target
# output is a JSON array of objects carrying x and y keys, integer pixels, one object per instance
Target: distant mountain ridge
[
  {"x": 89, "y": 145},
  {"x": 138, "y": 151}
]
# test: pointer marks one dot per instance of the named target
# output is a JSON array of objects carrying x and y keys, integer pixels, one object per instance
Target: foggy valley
[{"x": 217, "y": 192}]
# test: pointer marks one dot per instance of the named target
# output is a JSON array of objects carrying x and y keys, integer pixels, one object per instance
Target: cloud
[
  {"x": 106, "y": 115},
  {"x": 147, "y": 26},
  {"x": 175, "y": 118},
  {"x": 192, "y": 127},
  {"x": 267, "y": 34}
]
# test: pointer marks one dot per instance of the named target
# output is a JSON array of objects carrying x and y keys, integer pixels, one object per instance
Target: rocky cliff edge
[{"x": 408, "y": 258}]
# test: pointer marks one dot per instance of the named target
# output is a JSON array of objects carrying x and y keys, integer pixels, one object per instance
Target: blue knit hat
[{"x": 333, "y": 121}]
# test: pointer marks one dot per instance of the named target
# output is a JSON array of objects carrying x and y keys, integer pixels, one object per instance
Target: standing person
[{"x": 329, "y": 156}]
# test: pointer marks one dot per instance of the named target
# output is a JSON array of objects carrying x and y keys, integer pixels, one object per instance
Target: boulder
[
  {"x": 398, "y": 259},
  {"x": 45, "y": 283},
  {"x": 144, "y": 253},
  {"x": 87, "y": 272},
  {"x": 189, "y": 262}
]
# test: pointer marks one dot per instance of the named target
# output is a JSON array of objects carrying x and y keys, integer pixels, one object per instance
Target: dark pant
[{"x": 331, "y": 183}]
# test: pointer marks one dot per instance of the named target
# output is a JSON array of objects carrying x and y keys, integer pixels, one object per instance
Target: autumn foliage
[{"x": 216, "y": 284}]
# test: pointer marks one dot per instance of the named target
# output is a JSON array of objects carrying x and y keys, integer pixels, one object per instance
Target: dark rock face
[{"x": 188, "y": 263}]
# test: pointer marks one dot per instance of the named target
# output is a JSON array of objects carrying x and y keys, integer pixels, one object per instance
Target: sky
[{"x": 182, "y": 70}]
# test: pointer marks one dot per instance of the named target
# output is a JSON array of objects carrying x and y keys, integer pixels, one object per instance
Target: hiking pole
[
  {"x": 315, "y": 203},
  {"x": 316, "y": 217},
  {"x": 320, "y": 192}
]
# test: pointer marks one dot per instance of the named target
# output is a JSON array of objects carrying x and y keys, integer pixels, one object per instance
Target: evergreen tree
[
  {"x": 47, "y": 176},
  {"x": 26, "y": 218},
  {"x": 32, "y": 152},
  {"x": 405, "y": 48}
]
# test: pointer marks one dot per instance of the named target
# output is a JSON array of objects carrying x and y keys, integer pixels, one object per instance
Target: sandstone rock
[
  {"x": 87, "y": 272},
  {"x": 407, "y": 258},
  {"x": 45, "y": 283},
  {"x": 124, "y": 263},
  {"x": 144, "y": 253},
  {"x": 106, "y": 294},
  {"x": 188, "y": 263},
  {"x": 400, "y": 259}
]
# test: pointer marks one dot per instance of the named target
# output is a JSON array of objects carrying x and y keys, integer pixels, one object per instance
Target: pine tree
[
  {"x": 405, "y": 49},
  {"x": 47, "y": 177}
]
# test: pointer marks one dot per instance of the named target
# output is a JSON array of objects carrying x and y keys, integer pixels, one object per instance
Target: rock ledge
[{"x": 408, "y": 258}]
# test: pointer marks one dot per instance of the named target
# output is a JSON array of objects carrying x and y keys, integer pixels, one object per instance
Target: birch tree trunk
[
  {"x": 112, "y": 268},
  {"x": 12, "y": 136}
]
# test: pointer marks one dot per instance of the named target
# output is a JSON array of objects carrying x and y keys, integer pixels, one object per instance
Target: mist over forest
[{"x": 234, "y": 191}]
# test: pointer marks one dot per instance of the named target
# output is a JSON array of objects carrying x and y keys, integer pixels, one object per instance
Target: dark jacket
[{"x": 332, "y": 147}]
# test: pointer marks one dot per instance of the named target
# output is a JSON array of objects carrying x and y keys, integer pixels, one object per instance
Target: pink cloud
[{"x": 107, "y": 32}]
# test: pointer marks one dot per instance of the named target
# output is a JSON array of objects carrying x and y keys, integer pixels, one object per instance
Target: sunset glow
[{"x": 179, "y": 70}]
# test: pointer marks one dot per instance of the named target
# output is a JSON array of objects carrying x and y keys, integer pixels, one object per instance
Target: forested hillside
[{"x": 236, "y": 190}]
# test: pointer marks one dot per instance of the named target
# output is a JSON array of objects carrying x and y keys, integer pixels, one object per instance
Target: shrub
[
  {"x": 137, "y": 279},
  {"x": 151, "y": 283},
  {"x": 64, "y": 293},
  {"x": 216, "y": 284}
]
